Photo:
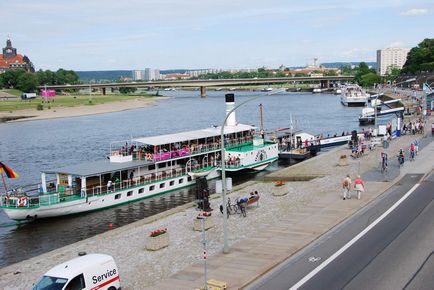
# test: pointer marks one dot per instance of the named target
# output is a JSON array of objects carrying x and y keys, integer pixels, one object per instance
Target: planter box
[
  {"x": 280, "y": 191},
  {"x": 209, "y": 223},
  {"x": 158, "y": 242}
]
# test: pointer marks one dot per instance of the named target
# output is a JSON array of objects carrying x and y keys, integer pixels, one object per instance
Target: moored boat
[
  {"x": 140, "y": 168},
  {"x": 354, "y": 96}
]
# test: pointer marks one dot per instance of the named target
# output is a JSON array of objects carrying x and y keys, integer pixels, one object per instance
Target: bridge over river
[{"x": 325, "y": 82}]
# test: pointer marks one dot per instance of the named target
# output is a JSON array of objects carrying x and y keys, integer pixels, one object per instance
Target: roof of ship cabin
[
  {"x": 192, "y": 135},
  {"x": 98, "y": 167}
]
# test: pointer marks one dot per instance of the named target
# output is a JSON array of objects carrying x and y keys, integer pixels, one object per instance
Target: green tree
[
  {"x": 362, "y": 70},
  {"x": 392, "y": 74},
  {"x": 347, "y": 70},
  {"x": 10, "y": 77},
  {"x": 127, "y": 90},
  {"x": 369, "y": 79},
  {"x": 330, "y": 73},
  {"x": 64, "y": 77},
  {"x": 27, "y": 82},
  {"x": 46, "y": 77},
  {"x": 420, "y": 58},
  {"x": 2, "y": 81}
]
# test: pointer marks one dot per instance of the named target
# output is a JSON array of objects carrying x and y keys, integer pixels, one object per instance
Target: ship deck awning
[
  {"x": 192, "y": 135},
  {"x": 98, "y": 167}
]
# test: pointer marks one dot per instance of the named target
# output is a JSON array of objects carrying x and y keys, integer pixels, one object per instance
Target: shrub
[{"x": 39, "y": 107}]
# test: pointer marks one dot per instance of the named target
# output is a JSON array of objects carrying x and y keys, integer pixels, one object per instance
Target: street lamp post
[{"x": 223, "y": 169}]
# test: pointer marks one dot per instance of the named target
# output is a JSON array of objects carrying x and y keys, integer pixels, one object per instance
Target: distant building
[
  {"x": 196, "y": 73},
  {"x": 389, "y": 58},
  {"x": 10, "y": 59},
  {"x": 138, "y": 75},
  {"x": 176, "y": 76},
  {"x": 151, "y": 74}
]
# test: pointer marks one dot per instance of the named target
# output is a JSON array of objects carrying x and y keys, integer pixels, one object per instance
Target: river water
[{"x": 30, "y": 146}]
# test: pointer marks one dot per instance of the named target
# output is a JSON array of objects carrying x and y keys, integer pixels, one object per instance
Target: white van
[
  {"x": 28, "y": 96},
  {"x": 90, "y": 272}
]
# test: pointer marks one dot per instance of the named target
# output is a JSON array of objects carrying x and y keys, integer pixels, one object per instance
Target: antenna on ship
[{"x": 261, "y": 116}]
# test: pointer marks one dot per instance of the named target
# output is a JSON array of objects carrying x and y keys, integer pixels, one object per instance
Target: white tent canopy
[{"x": 192, "y": 135}]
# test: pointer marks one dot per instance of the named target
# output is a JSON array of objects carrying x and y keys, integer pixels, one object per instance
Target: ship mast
[{"x": 261, "y": 116}]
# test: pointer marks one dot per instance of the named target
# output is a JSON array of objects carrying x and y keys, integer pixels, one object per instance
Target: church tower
[{"x": 9, "y": 51}]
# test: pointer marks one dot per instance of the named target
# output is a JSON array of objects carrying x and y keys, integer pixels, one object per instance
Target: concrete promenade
[
  {"x": 278, "y": 228},
  {"x": 274, "y": 242}
]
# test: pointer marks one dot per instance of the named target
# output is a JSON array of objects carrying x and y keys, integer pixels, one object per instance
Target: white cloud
[
  {"x": 415, "y": 12},
  {"x": 396, "y": 44},
  {"x": 366, "y": 54}
]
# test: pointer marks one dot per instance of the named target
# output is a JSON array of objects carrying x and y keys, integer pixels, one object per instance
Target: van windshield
[{"x": 50, "y": 283}]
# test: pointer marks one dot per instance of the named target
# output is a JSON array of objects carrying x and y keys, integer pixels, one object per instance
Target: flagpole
[{"x": 4, "y": 183}]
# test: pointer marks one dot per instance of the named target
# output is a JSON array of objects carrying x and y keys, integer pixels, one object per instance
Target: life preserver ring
[
  {"x": 22, "y": 201},
  {"x": 115, "y": 153}
]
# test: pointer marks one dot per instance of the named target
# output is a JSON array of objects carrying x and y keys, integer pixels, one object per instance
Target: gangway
[{"x": 368, "y": 114}]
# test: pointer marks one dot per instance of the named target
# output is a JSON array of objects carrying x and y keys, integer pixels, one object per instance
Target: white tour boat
[
  {"x": 354, "y": 96},
  {"x": 143, "y": 168}
]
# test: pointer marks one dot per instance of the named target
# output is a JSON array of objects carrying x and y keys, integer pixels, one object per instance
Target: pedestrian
[
  {"x": 416, "y": 147},
  {"x": 412, "y": 151},
  {"x": 359, "y": 186},
  {"x": 346, "y": 185},
  {"x": 109, "y": 185}
]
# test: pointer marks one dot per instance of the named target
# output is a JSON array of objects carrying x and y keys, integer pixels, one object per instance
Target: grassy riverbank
[{"x": 17, "y": 104}]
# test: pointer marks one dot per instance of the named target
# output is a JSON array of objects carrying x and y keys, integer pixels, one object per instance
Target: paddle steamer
[{"x": 142, "y": 168}]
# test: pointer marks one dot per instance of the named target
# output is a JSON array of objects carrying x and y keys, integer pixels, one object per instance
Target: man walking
[{"x": 346, "y": 185}]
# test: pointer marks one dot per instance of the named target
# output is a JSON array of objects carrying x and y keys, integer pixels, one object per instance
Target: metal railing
[{"x": 23, "y": 200}]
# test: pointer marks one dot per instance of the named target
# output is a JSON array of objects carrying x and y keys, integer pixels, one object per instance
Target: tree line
[
  {"x": 420, "y": 58},
  {"x": 29, "y": 82}
]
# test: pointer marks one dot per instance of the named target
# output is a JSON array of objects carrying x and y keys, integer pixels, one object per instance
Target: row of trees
[
  {"x": 28, "y": 82},
  {"x": 261, "y": 73},
  {"x": 420, "y": 58}
]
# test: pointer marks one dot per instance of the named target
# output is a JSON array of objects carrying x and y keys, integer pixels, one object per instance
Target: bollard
[{"x": 110, "y": 226}]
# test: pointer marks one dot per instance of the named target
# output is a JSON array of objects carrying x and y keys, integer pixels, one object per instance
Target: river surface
[{"x": 30, "y": 146}]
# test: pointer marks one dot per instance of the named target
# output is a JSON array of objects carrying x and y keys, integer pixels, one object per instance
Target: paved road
[{"x": 396, "y": 252}]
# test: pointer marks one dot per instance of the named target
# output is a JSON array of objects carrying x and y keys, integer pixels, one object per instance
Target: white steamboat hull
[{"x": 98, "y": 202}]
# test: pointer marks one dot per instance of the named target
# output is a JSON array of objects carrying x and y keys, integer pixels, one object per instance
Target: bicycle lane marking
[{"x": 354, "y": 240}]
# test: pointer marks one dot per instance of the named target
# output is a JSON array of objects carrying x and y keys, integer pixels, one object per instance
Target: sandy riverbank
[{"x": 63, "y": 112}]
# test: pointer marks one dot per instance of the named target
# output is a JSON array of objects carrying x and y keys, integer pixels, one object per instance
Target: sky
[{"x": 189, "y": 34}]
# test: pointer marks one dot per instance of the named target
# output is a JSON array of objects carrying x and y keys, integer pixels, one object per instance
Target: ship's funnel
[{"x": 230, "y": 104}]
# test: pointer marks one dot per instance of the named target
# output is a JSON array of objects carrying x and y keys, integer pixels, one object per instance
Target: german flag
[{"x": 8, "y": 171}]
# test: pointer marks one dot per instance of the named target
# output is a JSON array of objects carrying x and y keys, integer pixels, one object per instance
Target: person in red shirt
[
  {"x": 412, "y": 151},
  {"x": 359, "y": 186}
]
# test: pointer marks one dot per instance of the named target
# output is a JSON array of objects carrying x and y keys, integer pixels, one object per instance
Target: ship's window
[
  {"x": 141, "y": 190},
  {"x": 180, "y": 180},
  {"x": 189, "y": 178},
  {"x": 162, "y": 165},
  {"x": 130, "y": 193},
  {"x": 151, "y": 167},
  {"x": 118, "y": 196},
  {"x": 162, "y": 185},
  {"x": 172, "y": 183},
  {"x": 151, "y": 188}
]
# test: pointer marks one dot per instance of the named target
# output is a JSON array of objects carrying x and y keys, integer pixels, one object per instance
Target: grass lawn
[
  {"x": 65, "y": 101},
  {"x": 12, "y": 92}
]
